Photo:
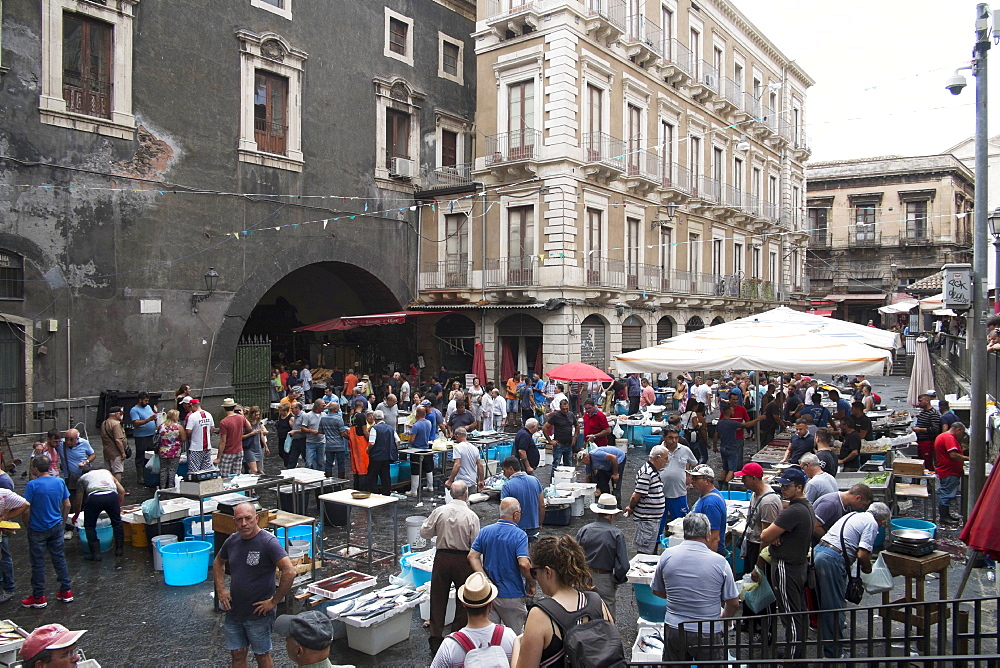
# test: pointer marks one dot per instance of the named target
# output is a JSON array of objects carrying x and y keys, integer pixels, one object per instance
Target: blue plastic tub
[
  {"x": 394, "y": 472},
  {"x": 420, "y": 577},
  {"x": 186, "y": 563},
  {"x": 404, "y": 471},
  {"x": 735, "y": 496},
  {"x": 105, "y": 534},
  {"x": 651, "y": 607},
  {"x": 296, "y": 533},
  {"x": 651, "y": 441},
  {"x": 907, "y": 523},
  {"x": 189, "y": 523}
]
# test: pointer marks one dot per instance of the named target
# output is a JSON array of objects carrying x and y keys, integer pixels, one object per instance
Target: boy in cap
[
  {"x": 51, "y": 646},
  {"x": 477, "y": 596},
  {"x": 307, "y": 637}
]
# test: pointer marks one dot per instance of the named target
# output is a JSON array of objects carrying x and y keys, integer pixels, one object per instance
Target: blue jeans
[
  {"x": 340, "y": 458},
  {"x": 948, "y": 489},
  {"x": 315, "y": 454},
  {"x": 253, "y": 633},
  {"x": 50, "y": 540},
  {"x": 562, "y": 455},
  {"x": 831, "y": 580},
  {"x": 6, "y": 565}
]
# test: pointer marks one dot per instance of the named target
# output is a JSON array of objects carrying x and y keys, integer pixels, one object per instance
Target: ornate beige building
[{"x": 641, "y": 171}]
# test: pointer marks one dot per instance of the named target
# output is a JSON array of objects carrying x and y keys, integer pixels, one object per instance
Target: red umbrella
[
  {"x": 982, "y": 529},
  {"x": 506, "y": 361},
  {"x": 538, "y": 361},
  {"x": 479, "y": 362},
  {"x": 577, "y": 372}
]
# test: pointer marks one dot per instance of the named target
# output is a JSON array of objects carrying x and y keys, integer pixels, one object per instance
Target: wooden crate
[
  {"x": 904, "y": 466},
  {"x": 226, "y": 524}
]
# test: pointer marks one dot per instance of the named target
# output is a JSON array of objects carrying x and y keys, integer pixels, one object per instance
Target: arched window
[
  {"x": 664, "y": 328},
  {"x": 694, "y": 324},
  {"x": 717, "y": 320}
]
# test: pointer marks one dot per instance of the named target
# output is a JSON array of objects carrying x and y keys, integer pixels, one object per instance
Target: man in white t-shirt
[
  {"x": 556, "y": 401},
  {"x": 404, "y": 395},
  {"x": 469, "y": 467},
  {"x": 702, "y": 392},
  {"x": 477, "y": 596},
  {"x": 199, "y": 426}
]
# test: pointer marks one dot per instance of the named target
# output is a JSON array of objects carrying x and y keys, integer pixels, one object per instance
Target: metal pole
[
  {"x": 996, "y": 275},
  {"x": 977, "y": 446}
]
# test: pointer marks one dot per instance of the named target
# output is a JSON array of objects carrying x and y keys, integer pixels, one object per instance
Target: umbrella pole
[{"x": 973, "y": 557}]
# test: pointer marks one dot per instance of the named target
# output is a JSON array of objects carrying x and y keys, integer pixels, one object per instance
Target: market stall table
[
  {"x": 306, "y": 572},
  {"x": 914, "y": 571},
  {"x": 345, "y": 498},
  {"x": 420, "y": 453}
]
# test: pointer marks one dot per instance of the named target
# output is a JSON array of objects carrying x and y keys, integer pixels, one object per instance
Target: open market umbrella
[
  {"x": 840, "y": 329},
  {"x": 922, "y": 375},
  {"x": 982, "y": 529},
  {"x": 479, "y": 362},
  {"x": 506, "y": 360},
  {"x": 577, "y": 372}
]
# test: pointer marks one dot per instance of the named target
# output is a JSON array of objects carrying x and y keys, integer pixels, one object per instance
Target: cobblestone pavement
[{"x": 135, "y": 620}]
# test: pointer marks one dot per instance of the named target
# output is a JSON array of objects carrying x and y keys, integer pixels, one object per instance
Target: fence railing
[
  {"x": 864, "y": 236},
  {"x": 709, "y": 76},
  {"x": 679, "y": 55},
  {"x": 451, "y": 273},
  {"x": 512, "y": 272},
  {"x": 512, "y": 146},
  {"x": 710, "y": 189},
  {"x": 612, "y": 11},
  {"x": 640, "y": 30},
  {"x": 959, "y": 632},
  {"x": 644, "y": 164},
  {"x": 676, "y": 177},
  {"x": 452, "y": 175},
  {"x": 603, "y": 148},
  {"x": 733, "y": 92}
]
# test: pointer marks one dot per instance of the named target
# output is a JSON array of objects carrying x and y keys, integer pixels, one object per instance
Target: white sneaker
[
  {"x": 68, "y": 535},
  {"x": 411, "y": 493}
]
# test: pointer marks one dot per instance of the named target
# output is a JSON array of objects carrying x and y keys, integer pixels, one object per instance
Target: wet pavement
[{"x": 134, "y": 619}]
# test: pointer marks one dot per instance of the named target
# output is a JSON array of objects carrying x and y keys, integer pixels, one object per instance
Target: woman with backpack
[{"x": 572, "y": 626}]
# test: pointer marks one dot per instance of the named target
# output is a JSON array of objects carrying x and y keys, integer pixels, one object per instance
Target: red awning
[
  {"x": 823, "y": 312},
  {"x": 353, "y": 321}
]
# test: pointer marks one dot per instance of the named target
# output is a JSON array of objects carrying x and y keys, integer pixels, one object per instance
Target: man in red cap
[
  {"x": 765, "y": 505},
  {"x": 51, "y": 646}
]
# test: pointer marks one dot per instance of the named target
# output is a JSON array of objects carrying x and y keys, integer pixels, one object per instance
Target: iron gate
[
  {"x": 252, "y": 373},
  {"x": 12, "y": 377}
]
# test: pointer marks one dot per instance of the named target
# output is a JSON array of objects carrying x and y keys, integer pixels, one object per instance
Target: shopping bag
[
  {"x": 760, "y": 596},
  {"x": 618, "y": 432},
  {"x": 288, "y": 444},
  {"x": 151, "y": 508},
  {"x": 153, "y": 465},
  {"x": 880, "y": 579}
]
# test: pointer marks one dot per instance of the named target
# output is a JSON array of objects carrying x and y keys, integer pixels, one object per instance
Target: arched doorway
[
  {"x": 520, "y": 338},
  {"x": 632, "y": 334},
  {"x": 594, "y": 342},
  {"x": 694, "y": 323},
  {"x": 664, "y": 328},
  {"x": 323, "y": 291},
  {"x": 718, "y": 320},
  {"x": 456, "y": 338}
]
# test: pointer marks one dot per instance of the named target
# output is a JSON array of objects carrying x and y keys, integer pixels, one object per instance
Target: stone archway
[
  {"x": 665, "y": 328},
  {"x": 693, "y": 324},
  {"x": 718, "y": 320}
]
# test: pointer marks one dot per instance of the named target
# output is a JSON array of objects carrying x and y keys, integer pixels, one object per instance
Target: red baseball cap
[
  {"x": 50, "y": 636},
  {"x": 752, "y": 468}
]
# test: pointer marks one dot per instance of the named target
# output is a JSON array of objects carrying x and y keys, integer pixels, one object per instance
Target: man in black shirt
[
  {"x": 792, "y": 402},
  {"x": 800, "y": 443},
  {"x": 772, "y": 421},
  {"x": 524, "y": 446},
  {"x": 562, "y": 430},
  {"x": 862, "y": 423},
  {"x": 789, "y": 538},
  {"x": 850, "y": 450}
]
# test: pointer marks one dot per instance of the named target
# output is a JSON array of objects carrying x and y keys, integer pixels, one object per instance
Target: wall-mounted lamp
[
  {"x": 620, "y": 310},
  {"x": 211, "y": 281},
  {"x": 671, "y": 211}
]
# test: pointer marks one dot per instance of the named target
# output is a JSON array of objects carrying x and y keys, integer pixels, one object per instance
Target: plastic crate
[
  {"x": 558, "y": 516},
  {"x": 381, "y": 636}
]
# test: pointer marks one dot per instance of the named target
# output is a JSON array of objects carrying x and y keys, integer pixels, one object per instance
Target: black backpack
[{"x": 592, "y": 644}]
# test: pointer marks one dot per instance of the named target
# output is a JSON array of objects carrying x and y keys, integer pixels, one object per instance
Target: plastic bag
[
  {"x": 153, "y": 465},
  {"x": 759, "y": 597},
  {"x": 288, "y": 444},
  {"x": 880, "y": 579},
  {"x": 151, "y": 507},
  {"x": 618, "y": 432}
]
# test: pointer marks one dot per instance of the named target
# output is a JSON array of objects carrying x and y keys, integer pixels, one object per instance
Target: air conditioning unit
[
  {"x": 711, "y": 81},
  {"x": 401, "y": 167}
]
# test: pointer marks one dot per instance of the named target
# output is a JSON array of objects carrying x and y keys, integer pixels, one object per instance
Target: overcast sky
[{"x": 880, "y": 68}]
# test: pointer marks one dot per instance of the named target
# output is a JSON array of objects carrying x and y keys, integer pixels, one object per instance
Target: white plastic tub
[
  {"x": 378, "y": 637},
  {"x": 449, "y": 615}
]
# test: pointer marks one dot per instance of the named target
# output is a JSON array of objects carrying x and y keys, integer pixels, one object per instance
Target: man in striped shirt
[{"x": 647, "y": 502}]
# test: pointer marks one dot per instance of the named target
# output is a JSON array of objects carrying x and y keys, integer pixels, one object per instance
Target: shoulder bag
[{"x": 855, "y": 585}]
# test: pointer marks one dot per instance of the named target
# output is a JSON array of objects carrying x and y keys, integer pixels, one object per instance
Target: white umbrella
[
  {"x": 757, "y": 345},
  {"x": 840, "y": 329},
  {"x": 922, "y": 375},
  {"x": 933, "y": 302}
]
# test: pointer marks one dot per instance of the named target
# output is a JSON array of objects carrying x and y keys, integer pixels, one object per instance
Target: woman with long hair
[
  {"x": 283, "y": 425},
  {"x": 181, "y": 392},
  {"x": 172, "y": 439},
  {"x": 255, "y": 441},
  {"x": 474, "y": 398},
  {"x": 560, "y": 569}
]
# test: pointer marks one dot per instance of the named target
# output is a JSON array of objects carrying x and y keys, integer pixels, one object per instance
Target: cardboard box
[
  {"x": 226, "y": 524},
  {"x": 202, "y": 487},
  {"x": 904, "y": 466}
]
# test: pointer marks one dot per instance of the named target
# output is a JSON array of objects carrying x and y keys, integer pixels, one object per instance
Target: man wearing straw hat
[
  {"x": 476, "y": 596},
  {"x": 604, "y": 545}
]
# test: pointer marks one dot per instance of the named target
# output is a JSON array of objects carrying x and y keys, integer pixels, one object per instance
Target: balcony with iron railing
[
  {"x": 752, "y": 106},
  {"x": 769, "y": 118},
  {"x": 86, "y": 95},
  {"x": 915, "y": 234},
  {"x": 706, "y": 85},
  {"x": 643, "y": 170},
  {"x": 513, "y": 272},
  {"x": 503, "y": 16},
  {"x": 800, "y": 144},
  {"x": 733, "y": 199},
  {"x": 643, "y": 39},
  {"x": 676, "y": 182},
  {"x": 821, "y": 238},
  {"x": 864, "y": 236},
  {"x": 606, "y": 18},
  {"x": 731, "y": 99},
  {"x": 446, "y": 176},
  {"x": 270, "y": 137},
  {"x": 603, "y": 151},
  {"x": 453, "y": 273},
  {"x": 709, "y": 190},
  {"x": 771, "y": 211},
  {"x": 600, "y": 272},
  {"x": 677, "y": 64},
  {"x": 513, "y": 146}
]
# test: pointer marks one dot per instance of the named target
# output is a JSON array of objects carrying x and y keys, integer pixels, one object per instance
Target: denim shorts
[
  {"x": 730, "y": 458},
  {"x": 254, "y": 633}
]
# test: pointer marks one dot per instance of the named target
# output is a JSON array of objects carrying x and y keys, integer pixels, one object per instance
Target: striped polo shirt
[{"x": 649, "y": 485}]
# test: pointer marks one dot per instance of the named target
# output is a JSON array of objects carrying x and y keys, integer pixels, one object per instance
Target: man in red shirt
[
  {"x": 595, "y": 425},
  {"x": 949, "y": 467},
  {"x": 648, "y": 395},
  {"x": 231, "y": 431}
]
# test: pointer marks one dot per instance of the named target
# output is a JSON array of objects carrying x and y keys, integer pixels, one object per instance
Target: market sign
[{"x": 957, "y": 286}]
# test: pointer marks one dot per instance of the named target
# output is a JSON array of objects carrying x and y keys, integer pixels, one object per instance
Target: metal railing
[
  {"x": 603, "y": 148},
  {"x": 864, "y": 236},
  {"x": 951, "y": 350},
  {"x": 959, "y": 632},
  {"x": 645, "y": 164},
  {"x": 513, "y": 146},
  {"x": 85, "y": 95},
  {"x": 675, "y": 177},
  {"x": 709, "y": 76},
  {"x": 678, "y": 55},
  {"x": 732, "y": 197},
  {"x": 820, "y": 238},
  {"x": 913, "y": 234},
  {"x": 602, "y": 272},
  {"x": 640, "y": 30},
  {"x": 769, "y": 118},
  {"x": 612, "y": 11},
  {"x": 496, "y": 9},
  {"x": 514, "y": 272},
  {"x": 732, "y": 92},
  {"x": 770, "y": 211},
  {"x": 451, "y": 273},
  {"x": 752, "y": 105},
  {"x": 710, "y": 189},
  {"x": 442, "y": 177},
  {"x": 799, "y": 139}
]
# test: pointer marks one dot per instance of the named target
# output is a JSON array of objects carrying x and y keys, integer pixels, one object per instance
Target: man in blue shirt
[
  {"x": 501, "y": 551},
  {"x": 75, "y": 458},
  {"x": 634, "y": 391},
  {"x": 333, "y": 429},
  {"x": 528, "y": 492},
  {"x": 820, "y": 413},
  {"x": 49, "y": 501},
  {"x": 143, "y": 417},
  {"x": 420, "y": 438},
  {"x": 711, "y": 504},
  {"x": 843, "y": 405},
  {"x": 727, "y": 432},
  {"x": 606, "y": 464}
]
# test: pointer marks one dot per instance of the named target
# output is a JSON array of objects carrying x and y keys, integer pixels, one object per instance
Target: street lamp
[
  {"x": 994, "y": 222},
  {"x": 977, "y": 315},
  {"x": 671, "y": 211},
  {"x": 211, "y": 280}
]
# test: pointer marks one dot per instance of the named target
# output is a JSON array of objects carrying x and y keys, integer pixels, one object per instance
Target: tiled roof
[{"x": 930, "y": 283}]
